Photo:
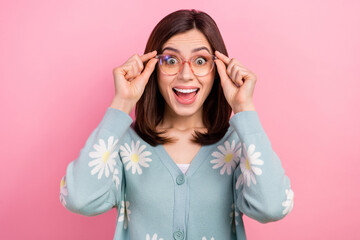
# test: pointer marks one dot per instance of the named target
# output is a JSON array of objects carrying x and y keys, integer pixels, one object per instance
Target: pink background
[{"x": 56, "y": 62}]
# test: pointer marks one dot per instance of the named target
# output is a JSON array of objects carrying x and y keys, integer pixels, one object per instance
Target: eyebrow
[{"x": 194, "y": 50}]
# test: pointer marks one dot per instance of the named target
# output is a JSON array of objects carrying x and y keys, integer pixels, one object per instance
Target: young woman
[{"x": 184, "y": 169}]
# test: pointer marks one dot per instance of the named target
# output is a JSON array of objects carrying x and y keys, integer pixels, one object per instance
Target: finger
[
  {"x": 127, "y": 71},
  {"x": 222, "y": 57},
  {"x": 148, "y": 56},
  {"x": 237, "y": 75},
  {"x": 144, "y": 58},
  {"x": 131, "y": 70},
  {"x": 228, "y": 60},
  {"x": 238, "y": 63},
  {"x": 235, "y": 61},
  {"x": 238, "y": 78},
  {"x": 131, "y": 66},
  {"x": 119, "y": 74},
  {"x": 234, "y": 73},
  {"x": 139, "y": 64},
  {"x": 145, "y": 75},
  {"x": 230, "y": 67},
  {"x": 235, "y": 65}
]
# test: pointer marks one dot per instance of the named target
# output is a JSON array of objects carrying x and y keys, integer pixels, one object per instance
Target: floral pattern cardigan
[{"x": 240, "y": 174}]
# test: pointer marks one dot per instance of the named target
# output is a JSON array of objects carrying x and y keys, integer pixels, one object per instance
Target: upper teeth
[{"x": 185, "y": 90}]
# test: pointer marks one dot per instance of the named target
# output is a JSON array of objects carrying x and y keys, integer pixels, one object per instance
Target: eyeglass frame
[{"x": 183, "y": 61}]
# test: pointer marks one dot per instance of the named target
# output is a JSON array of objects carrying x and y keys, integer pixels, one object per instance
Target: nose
[{"x": 186, "y": 72}]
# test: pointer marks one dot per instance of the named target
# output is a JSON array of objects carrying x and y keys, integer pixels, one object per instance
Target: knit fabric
[{"x": 155, "y": 199}]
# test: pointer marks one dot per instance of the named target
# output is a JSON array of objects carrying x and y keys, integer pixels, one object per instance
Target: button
[
  {"x": 180, "y": 179},
  {"x": 178, "y": 235}
]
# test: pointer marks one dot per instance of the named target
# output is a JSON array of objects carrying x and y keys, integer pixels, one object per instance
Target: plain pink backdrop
[{"x": 56, "y": 62}]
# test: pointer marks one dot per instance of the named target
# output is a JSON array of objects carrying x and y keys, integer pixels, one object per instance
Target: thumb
[
  {"x": 149, "y": 68},
  {"x": 141, "y": 80},
  {"x": 222, "y": 71}
]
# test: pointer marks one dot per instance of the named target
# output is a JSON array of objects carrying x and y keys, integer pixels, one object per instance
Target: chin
[{"x": 185, "y": 112}]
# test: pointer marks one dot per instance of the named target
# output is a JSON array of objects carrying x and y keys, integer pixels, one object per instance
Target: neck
[{"x": 182, "y": 123}]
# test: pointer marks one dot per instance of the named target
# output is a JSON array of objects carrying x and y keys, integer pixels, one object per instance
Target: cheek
[
  {"x": 163, "y": 84},
  {"x": 209, "y": 84},
  {"x": 209, "y": 89},
  {"x": 160, "y": 81},
  {"x": 161, "y": 88}
]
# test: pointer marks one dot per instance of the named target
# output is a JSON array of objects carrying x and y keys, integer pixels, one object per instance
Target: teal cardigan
[{"x": 240, "y": 174}]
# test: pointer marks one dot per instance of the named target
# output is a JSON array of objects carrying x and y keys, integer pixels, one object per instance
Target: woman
[{"x": 183, "y": 169}]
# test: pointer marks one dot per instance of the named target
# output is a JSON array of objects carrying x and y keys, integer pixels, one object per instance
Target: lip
[
  {"x": 185, "y": 101},
  {"x": 186, "y": 87}
]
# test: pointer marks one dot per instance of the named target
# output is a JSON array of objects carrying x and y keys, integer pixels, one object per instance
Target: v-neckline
[
  {"x": 200, "y": 156},
  {"x": 174, "y": 168}
]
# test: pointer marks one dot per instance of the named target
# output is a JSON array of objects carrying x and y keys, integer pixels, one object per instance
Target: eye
[
  {"x": 200, "y": 60},
  {"x": 171, "y": 60}
]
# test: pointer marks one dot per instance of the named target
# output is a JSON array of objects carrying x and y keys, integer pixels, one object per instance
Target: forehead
[{"x": 188, "y": 41}]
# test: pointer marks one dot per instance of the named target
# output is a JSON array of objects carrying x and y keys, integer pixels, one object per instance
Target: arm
[
  {"x": 92, "y": 181},
  {"x": 261, "y": 189}
]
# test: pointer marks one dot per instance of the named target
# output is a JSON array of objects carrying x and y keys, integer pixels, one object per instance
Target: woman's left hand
[{"x": 237, "y": 81}]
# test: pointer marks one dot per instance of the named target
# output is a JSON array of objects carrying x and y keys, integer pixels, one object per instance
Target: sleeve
[
  {"x": 92, "y": 181},
  {"x": 262, "y": 191}
]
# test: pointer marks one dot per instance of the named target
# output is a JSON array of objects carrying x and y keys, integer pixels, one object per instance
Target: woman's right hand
[{"x": 130, "y": 80}]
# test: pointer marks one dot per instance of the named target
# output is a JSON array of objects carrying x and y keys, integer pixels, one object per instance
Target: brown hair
[{"x": 150, "y": 108}]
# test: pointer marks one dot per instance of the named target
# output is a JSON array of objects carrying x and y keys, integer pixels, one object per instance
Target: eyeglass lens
[{"x": 200, "y": 64}]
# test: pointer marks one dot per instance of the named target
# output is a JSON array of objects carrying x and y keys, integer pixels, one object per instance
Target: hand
[
  {"x": 237, "y": 81},
  {"x": 130, "y": 81}
]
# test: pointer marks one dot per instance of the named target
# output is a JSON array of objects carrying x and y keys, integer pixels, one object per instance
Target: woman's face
[{"x": 176, "y": 89}]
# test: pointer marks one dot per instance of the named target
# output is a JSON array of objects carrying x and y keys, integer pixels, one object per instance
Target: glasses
[{"x": 200, "y": 65}]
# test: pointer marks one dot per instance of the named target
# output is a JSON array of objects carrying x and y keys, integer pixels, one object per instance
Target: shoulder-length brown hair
[{"x": 150, "y": 108}]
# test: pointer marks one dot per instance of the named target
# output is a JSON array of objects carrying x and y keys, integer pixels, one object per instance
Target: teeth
[{"x": 186, "y": 90}]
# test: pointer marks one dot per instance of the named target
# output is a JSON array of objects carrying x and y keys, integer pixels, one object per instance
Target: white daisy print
[
  {"x": 154, "y": 237},
  {"x": 116, "y": 178},
  {"x": 63, "y": 191},
  {"x": 135, "y": 157},
  {"x": 248, "y": 165},
  {"x": 227, "y": 157},
  {"x": 233, "y": 215},
  {"x": 289, "y": 202},
  {"x": 204, "y": 238},
  {"x": 104, "y": 157},
  {"x": 124, "y": 213}
]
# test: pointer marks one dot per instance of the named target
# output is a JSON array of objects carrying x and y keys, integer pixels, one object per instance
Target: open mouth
[{"x": 186, "y": 94}]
